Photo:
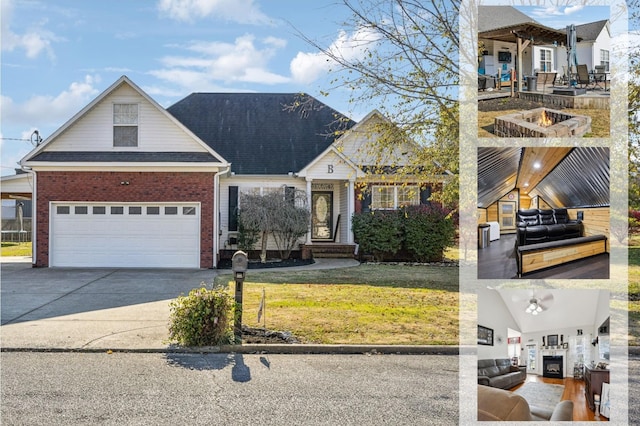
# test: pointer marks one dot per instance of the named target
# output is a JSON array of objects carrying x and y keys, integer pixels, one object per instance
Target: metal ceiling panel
[
  {"x": 497, "y": 173},
  {"x": 580, "y": 180}
]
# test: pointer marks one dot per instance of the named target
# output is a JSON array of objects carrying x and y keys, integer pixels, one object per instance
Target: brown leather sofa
[
  {"x": 499, "y": 373},
  {"x": 501, "y": 405}
]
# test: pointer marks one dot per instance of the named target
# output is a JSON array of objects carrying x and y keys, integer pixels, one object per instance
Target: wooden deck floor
[{"x": 498, "y": 261}]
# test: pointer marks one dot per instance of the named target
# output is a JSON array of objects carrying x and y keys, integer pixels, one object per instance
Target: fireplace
[
  {"x": 552, "y": 367},
  {"x": 542, "y": 123}
]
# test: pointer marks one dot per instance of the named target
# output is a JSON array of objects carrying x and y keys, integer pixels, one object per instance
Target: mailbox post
[{"x": 239, "y": 266}]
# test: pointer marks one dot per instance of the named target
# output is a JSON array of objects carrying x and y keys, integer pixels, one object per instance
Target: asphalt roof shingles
[{"x": 261, "y": 133}]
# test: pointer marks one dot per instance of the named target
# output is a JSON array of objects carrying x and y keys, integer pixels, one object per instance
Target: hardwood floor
[
  {"x": 574, "y": 391},
  {"x": 498, "y": 261}
]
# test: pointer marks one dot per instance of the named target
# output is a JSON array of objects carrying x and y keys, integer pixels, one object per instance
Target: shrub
[
  {"x": 379, "y": 232},
  {"x": 428, "y": 230},
  {"x": 202, "y": 318}
]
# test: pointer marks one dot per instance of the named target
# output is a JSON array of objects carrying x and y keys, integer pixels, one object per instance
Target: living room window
[
  {"x": 125, "y": 125},
  {"x": 387, "y": 197}
]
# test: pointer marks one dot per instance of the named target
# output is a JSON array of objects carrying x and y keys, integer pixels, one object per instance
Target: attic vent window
[{"x": 125, "y": 125}]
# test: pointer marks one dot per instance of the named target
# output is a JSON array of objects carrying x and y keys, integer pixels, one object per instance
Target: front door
[
  {"x": 321, "y": 216},
  {"x": 507, "y": 215}
]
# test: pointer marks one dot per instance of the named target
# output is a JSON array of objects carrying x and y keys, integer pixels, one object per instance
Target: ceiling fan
[{"x": 538, "y": 304}]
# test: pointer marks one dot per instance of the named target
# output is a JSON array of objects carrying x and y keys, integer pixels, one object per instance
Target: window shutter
[
  {"x": 290, "y": 194},
  {"x": 233, "y": 208},
  {"x": 366, "y": 201},
  {"x": 425, "y": 193}
]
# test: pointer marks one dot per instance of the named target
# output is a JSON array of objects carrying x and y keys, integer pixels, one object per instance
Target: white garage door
[{"x": 130, "y": 235}]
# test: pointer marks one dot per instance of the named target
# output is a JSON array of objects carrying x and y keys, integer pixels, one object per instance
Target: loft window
[{"x": 125, "y": 125}]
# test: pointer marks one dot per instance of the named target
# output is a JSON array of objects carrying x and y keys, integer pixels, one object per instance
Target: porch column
[
  {"x": 351, "y": 207},
  {"x": 309, "y": 180}
]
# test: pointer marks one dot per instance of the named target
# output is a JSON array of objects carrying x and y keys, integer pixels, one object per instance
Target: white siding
[
  {"x": 331, "y": 166},
  {"x": 247, "y": 183},
  {"x": 94, "y": 131},
  {"x": 359, "y": 145}
]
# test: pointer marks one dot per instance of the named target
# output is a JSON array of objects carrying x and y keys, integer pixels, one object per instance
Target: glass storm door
[
  {"x": 507, "y": 215},
  {"x": 321, "y": 216}
]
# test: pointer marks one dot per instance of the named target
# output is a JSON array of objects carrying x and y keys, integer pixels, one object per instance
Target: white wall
[{"x": 493, "y": 313}]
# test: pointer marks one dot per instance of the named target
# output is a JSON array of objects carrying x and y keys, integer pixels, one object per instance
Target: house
[
  {"x": 523, "y": 193},
  {"x": 559, "y": 335},
  {"x": 504, "y": 31},
  {"x": 128, "y": 183}
]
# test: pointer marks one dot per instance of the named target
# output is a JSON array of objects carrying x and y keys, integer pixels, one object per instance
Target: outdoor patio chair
[
  {"x": 584, "y": 79},
  {"x": 600, "y": 75}
]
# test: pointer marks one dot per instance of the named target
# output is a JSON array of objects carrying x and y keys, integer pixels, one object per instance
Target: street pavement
[
  {"x": 75, "y": 345},
  {"x": 74, "y": 388}
]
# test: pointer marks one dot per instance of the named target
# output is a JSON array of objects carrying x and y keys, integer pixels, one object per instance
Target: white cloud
[
  {"x": 245, "y": 60},
  {"x": 34, "y": 41},
  {"x": 573, "y": 9},
  {"x": 241, "y": 11},
  {"x": 308, "y": 67},
  {"x": 48, "y": 110}
]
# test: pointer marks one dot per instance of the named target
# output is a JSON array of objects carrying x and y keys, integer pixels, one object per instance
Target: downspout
[
  {"x": 216, "y": 214},
  {"x": 34, "y": 215}
]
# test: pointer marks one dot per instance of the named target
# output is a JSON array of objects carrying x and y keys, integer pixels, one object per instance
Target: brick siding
[{"x": 143, "y": 187}]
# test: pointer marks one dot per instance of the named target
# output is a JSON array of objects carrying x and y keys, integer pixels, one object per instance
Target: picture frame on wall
[
  {"x": 552, "y": 340},
  {"x": 485, "y": 336}
]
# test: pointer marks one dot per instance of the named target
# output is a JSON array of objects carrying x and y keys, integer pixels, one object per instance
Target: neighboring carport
[{"x": 17, "y": 193}]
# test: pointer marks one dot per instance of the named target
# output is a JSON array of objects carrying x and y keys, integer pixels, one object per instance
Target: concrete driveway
[{"x": 83, "y": 308}]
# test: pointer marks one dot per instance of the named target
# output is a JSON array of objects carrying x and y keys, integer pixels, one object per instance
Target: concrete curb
[{"x": 287, "y": 349}]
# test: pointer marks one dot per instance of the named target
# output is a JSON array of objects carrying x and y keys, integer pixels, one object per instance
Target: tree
[
  {"x": 407, "y": 65},
  {"x": 282, "y": 213}
]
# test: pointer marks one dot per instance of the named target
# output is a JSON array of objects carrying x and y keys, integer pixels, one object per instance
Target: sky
[{"x": 58, "y": 55}]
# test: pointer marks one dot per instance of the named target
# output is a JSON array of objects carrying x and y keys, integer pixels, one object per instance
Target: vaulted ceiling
[
  {"x": 568, "y": 308},
  {"x": 562, "y": 177}
]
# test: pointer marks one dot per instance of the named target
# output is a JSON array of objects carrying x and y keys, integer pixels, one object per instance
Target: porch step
[{"x": 331, "y": 250}]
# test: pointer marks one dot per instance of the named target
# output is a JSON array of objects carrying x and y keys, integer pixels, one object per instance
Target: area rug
[{"x": 541, "y": 395}]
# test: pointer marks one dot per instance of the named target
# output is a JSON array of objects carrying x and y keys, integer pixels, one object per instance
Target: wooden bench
[{"x": 533, "y": 257}]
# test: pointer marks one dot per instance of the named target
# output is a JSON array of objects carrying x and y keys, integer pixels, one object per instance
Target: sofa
[
  {"x": 543, "y": 225},
  {"x": 499, "y": 373},
  {"x": 501, "y": 405}
]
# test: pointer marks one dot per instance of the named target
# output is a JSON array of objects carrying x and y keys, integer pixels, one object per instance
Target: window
[
  {"x": 125, "y": 125},
  {"x": 81, "y": 210},
  {"x": 117, "y": 210},
  {"x": 408, "y": 196},
  {"x": 393, "y": 197},
  {"x": 171, "y": 210},
  {"x": 604, "y": 59},
  {"x": 62, "y": 209},
  {"x": 382, "y": 197},
  {"x": 153, "y": 210},
  {"x": 135, "y": 210},
  {"x": 99, "y": 210},
  {"x": 188, "y": 211},
  {"x": 545, "y": 60}
]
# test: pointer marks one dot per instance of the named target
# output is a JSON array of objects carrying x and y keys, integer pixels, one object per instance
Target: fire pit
[{"x": 542, "y": 123}]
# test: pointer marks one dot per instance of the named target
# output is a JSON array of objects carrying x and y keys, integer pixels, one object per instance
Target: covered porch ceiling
[{"x": 563, "y": 176}]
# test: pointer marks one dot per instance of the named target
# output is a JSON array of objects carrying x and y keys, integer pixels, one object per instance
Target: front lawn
[
  {"x": 15, "y": 249},
  {"x": 634, "y": 290},
  {"x": 366, "y": 304}
]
